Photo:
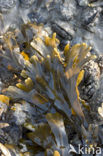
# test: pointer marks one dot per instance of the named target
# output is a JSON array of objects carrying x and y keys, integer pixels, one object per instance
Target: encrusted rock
[
  {"x": 91, "y": 80},
  {"x": 88, "y": 16},
  {"x": 100, "y": 63}
]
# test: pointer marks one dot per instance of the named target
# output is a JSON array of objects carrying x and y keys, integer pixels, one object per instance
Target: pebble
[{"x": 83, "y": 2}]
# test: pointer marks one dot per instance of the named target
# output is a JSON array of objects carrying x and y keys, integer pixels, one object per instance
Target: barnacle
[{"x": 50, "y": 80}]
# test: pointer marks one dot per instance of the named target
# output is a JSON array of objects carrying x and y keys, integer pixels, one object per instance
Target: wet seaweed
[{"x": 50, "y": 80}]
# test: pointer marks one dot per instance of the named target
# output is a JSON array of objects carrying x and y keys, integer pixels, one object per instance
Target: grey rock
[
  {"x": 72, "y": 21},
  {"x": 61, "y": 32},
  {"x": 83, "y": 2},
  {"x": 88, "y": 15},
  {"x": 91, "y": 80},
  {"x": 97, "y": 99},
  {"x": 100, "y": 63},
  {"x": 24, "y": 113},
  {"x": 36, "y": 17},
  {"x": 3, "y": 108},
  {"x": 6, "y": 5},
  {"x": 26, "y": 3}
]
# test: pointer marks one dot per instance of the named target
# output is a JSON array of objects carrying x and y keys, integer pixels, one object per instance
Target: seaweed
[{"x": 50, "y": 80}]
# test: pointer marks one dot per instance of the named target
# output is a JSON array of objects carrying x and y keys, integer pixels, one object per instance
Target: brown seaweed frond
[
  {"x": 53, "y": 75},
  {"x": 50, "y": 80}
]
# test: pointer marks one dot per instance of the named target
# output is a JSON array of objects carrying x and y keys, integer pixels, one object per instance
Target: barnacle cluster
[{"x": 48, "y": 81}]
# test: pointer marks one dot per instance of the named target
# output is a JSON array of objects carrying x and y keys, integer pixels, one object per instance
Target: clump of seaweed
[{"x": 49, "y": 82}]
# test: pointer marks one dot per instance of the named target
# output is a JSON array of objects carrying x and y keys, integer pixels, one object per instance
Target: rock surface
[{"x": 77, "y": 18}]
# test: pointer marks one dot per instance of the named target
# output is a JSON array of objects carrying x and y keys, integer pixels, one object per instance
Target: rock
[
  {"x": 83, "y": 2},
  {"x": 7, "y": 5},
  {"x": 26, "y": 3},
  {"x": 91, "y": 80},
  {"x": 3, "y": 108},
  {"x": 89, "y": 15},
  {"x": 21, "y": 113},
  {"x": 36, "y": 17},
  {"x": 100, "y": 63}
]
